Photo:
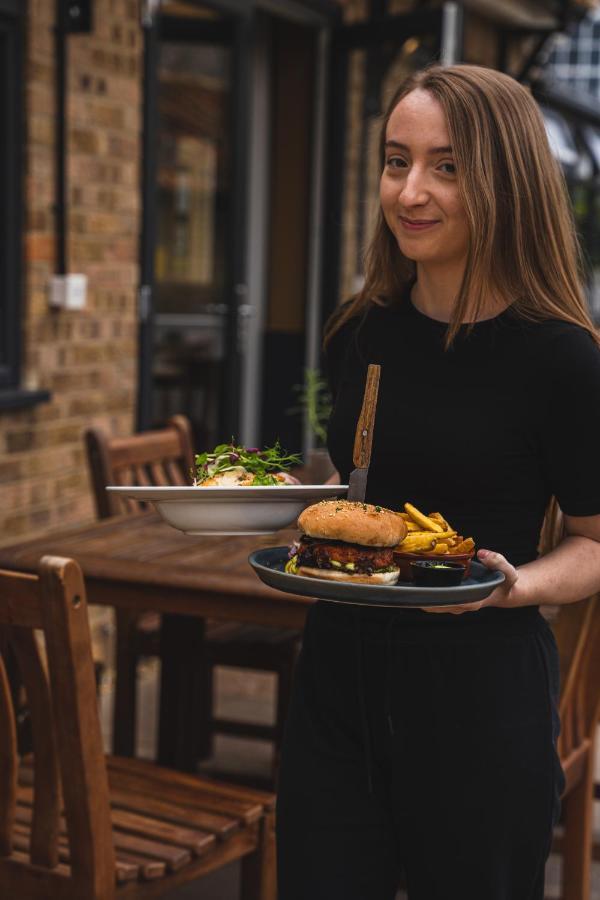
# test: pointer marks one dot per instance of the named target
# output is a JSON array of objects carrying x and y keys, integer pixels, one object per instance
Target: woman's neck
[{"x": 436, "y": 289}]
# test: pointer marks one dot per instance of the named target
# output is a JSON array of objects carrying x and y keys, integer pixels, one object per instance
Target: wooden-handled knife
[{"x": 363, "y": 440}]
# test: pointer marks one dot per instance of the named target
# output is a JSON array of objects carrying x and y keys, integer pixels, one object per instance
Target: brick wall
[{"x": 86, "y": 359}]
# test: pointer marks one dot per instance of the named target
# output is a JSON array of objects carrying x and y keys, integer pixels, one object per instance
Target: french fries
[
  {"x": 465, "y": 546},
  {"x": 431, "y": 534},
  {"x": 424, "y": 521},
  {"x": 413, "y": 543},
  {"x": 438, "y": 517},
  {"x": 412, "y": 526}
]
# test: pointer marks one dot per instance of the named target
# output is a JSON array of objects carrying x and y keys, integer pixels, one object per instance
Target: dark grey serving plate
[{"x": 268, "y": 565}]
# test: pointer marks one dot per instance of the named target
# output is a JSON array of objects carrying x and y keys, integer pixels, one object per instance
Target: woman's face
[{"x": 418, "y": 189}]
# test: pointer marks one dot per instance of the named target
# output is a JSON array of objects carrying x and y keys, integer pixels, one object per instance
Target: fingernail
[{"x": 483, "y": 553}]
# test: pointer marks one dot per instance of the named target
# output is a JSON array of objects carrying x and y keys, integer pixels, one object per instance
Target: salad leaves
[{"x": 263, "y": 464}]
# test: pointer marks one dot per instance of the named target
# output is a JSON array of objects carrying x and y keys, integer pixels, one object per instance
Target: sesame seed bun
[
  {"x": 354, "y": 522},
  {"x": 334, "y": 575}
]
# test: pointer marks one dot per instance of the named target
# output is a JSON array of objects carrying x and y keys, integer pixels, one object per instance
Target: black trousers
[{"x": 422, "y": 746}]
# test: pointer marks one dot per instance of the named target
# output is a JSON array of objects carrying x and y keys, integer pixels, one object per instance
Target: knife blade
[{"x": 363, "y": 439}]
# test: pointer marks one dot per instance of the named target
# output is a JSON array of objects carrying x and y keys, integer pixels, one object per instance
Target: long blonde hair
[{"x": 522, "y": 235}]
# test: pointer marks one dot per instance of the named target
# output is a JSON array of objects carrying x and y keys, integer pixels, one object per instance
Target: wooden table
[{"x": 139, "y": 562}]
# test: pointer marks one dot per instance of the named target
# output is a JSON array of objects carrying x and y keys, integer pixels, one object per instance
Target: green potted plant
[{"x": 315, "y": 404}]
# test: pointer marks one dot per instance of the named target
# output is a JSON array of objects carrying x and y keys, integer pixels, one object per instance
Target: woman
[{"x": 427, "y": 742}]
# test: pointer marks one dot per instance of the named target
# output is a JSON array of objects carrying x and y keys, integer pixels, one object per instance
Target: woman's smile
[{"x": 417, "y": 224}]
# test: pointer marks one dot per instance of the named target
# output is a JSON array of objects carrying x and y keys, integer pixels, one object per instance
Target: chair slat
[
  {"x": 148, "y": 869},
  {"x": 159, "y": 476},
  {"x": 127, "y": 870},
  {"x": 44, "y": 840},
  {"x": 196, "y": 841},
  {"x": 141, "y": 476},
  {"x": 242, "y": 799},
  {"x": 198, "y": 796},
  {"x": 123, "y": 475},
  {"x": 8, "y": 764},
  {"x": 175, "y": 858},
  {"x": 145, "y": 868},
  {"x": 23, "y": 829},
  {"x": 20, "y": 600},
  {"x": 219, "y": 825},
  {"x": 176, "y": 474},
  {"x": 22, "y": 853},
  {"x": 22, "y": 840}
]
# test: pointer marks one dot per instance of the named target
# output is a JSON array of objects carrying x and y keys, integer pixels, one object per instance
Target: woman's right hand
[{"x": 334, "y": 478}]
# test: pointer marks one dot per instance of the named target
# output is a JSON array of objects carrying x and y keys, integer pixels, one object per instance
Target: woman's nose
[{"x": 414, "y": 188}]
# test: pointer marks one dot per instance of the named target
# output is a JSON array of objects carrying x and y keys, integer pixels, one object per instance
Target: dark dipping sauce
[{"x": 430, "y": 573}]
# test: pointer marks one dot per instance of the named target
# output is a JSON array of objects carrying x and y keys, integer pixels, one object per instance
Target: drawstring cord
[{"x": 362, "y": 700}]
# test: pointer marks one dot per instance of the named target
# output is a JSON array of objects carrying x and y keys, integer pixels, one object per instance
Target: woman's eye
[
  {"x": 395, "y": 162},
  {"x": 448, "y": 167}
]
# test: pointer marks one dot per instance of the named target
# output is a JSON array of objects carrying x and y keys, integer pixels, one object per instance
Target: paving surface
[{"x": 251, "y": 695}]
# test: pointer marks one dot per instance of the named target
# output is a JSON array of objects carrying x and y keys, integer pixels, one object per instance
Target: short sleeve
[{"x": 570, "y": 433}]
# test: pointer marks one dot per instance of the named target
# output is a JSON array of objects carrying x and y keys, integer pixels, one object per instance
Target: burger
[{"x": 344, "y": 540}]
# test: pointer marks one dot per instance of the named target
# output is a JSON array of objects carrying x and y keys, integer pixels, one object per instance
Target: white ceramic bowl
[{"x": 225, "y": 510}]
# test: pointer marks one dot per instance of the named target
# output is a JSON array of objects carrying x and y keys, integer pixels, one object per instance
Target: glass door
[
  {"x": 192, "y": 218},
  {"x": 193, "y": 181}
]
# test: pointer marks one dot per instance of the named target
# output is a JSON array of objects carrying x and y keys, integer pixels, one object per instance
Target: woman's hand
[
  {"x": 503, "y": 595},
  {"x": 288, "y": 479}
]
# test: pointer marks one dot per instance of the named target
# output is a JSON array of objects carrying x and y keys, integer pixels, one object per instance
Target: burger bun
[
  {"x": 353, "y": 522},
  {"x": 335, "y": 575}
]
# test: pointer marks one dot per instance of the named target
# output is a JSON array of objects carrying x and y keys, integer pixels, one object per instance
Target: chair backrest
[
  {"x": 576, "y": 627},
  {"x": 68, "y": 758},
  {"x": 160, "y": 457}
]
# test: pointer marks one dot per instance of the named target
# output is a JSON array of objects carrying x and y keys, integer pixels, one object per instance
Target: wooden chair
[
  {"x": 77, "y": 826},
  {"x": 165, "y": 457},
  {"x": 577, "y": 630}
]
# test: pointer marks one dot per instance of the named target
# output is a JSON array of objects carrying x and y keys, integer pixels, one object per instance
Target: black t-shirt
[{"x": 484, "y": 433}]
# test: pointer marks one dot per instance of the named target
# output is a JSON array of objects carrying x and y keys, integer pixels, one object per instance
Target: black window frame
[
  {"x": 12, "y": 148},
  {"x": 11, "y": 225}
]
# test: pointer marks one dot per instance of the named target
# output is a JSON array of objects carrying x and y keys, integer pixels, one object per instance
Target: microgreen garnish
[{"x": 262, "y": 464}]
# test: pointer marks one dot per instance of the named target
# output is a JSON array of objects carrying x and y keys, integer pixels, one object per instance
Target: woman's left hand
[
  {"x": 288, "y": 479},
  {"x": 504, "y": 595}
]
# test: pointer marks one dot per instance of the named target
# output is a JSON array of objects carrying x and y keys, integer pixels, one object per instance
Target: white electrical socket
[{"x": 68, "y": 291}]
